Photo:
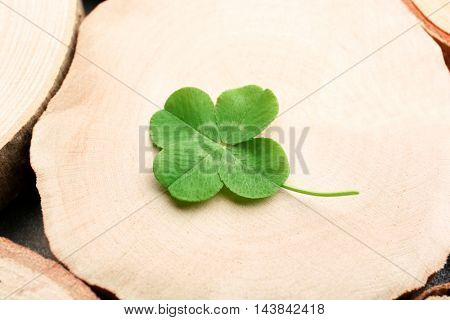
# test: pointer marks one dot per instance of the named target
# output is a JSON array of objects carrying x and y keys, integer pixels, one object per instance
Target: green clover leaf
[{"x": 205, "y": 147}]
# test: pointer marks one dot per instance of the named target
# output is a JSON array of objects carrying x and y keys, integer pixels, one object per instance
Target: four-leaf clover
[{"x": 205, "y": 147}]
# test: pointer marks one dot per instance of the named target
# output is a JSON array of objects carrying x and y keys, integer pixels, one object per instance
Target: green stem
[{"x": 322, "y": 194}]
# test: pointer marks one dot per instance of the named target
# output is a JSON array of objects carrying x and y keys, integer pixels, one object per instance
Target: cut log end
[
  {"x": 26, "y": 275},
  {"x": 380, "y": 127},
  {"x": 32, "y": 72}
]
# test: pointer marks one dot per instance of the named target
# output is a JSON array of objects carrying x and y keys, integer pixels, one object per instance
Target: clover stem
[{"x": 322, "y": 194}]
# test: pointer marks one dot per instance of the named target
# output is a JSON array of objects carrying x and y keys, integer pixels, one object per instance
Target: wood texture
[
  {"x": 19, "y": 265},
  {"x": 32, "y": 66},
  {"x": 436, "y": 22},
  {"x": 378, "y": 112}
]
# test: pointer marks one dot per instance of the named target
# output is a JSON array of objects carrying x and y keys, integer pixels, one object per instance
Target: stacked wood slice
[
  {"x": 27, "y": 275},
  {"x": 376, "y": 99},
  {"x": 35, "y": 54}
]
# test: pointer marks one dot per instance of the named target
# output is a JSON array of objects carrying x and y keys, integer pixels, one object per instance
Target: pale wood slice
[
  {"x": 436, "y": 22},
  {"x": 19, "y": 265},
  {"x": 34, "y": 57},
  {"x": 381, "y": 128}
]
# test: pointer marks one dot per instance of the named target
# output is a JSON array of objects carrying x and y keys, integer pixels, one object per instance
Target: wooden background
[{"x": 21, "y": 221}]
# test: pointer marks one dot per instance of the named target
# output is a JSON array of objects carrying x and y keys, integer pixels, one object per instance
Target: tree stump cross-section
[{"x": 374, "y": 95}]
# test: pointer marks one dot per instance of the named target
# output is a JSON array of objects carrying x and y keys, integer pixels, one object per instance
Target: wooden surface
[
  {"x": 18, "y": 265},
  {"x": 32, "y": 66},
  {"x": 381, "y": 127}
]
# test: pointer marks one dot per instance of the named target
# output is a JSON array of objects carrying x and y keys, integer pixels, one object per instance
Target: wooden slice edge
[
  {"x": 15, "y": 168},
  {"x": 434, "y": 30},
  {"x": 442, "y": 290},
  {"x": 51, "y": 269}
]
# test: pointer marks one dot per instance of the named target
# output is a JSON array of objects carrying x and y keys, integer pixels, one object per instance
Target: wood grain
[
  {"x": 19, "y": 265},
  {"x": 374, "y": 95},
  {"x": 34, "y": 57}
]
